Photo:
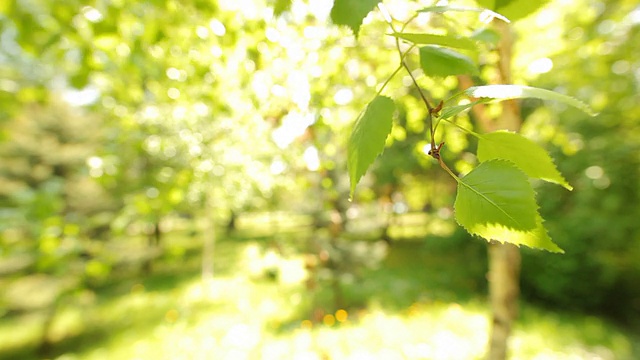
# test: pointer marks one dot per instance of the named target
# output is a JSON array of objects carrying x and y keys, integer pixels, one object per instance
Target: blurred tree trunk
[
  {"x": 209, "y": 240},
  {"x": 231, "y": 223},
  {"x": 504, "y": 259},
  {"x": 153, "y": 242},
  {"x": 336, "y": 228},
  {"x": 504, "y": 290}
]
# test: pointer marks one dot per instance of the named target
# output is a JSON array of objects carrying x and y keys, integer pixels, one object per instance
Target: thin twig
[{"x": 389, "y": 19}]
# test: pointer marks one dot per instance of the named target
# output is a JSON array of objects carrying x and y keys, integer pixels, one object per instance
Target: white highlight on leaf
[{"x": 497, "y": 91}]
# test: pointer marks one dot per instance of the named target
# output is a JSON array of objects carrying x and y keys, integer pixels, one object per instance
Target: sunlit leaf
[
  {"x": 351, "y": 12},
  {"x": 504, "y": 92},
  {"x": 452, "y": 111},
  {"x": 445, "y": 8},
  {"x": 439, "y": 61},
  {"x": 496, "y": 201},
  {"x": 368, "y": 137},
  {"x": 513, "y": 9},
  {"x": 524, "y": 153},
  {"x": 432, "y": 39},
  {"x": 486, "y": 35},
  {"x": 495, "y": 193},
  {"x": 538, "y": 238}
]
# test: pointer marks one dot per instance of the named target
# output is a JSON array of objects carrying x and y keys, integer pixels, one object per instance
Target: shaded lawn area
[{"x": 424, "y": 301}]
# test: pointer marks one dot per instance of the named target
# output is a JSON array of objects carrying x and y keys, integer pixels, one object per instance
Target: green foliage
[
  {"x": 451, "y": 111},
  {"x": 513, "y": 9},
  {"x": 486, "y": 35},
  {"x": 438, "y": 61},
  {"x": 352, "y": 12},
  {"x": 496, "y": 201},
  {"x": 495, "y": 192},
  {"x": 443, "y": 40},
  {"x": 597, "y": 224},
  {"x": 524, "y": 153},
  {"x": 447, "y": 8},
  {"x": 280, "y": 6},
  {"x": 505, "y": 92},
  {"x": 368, "y": 137}
]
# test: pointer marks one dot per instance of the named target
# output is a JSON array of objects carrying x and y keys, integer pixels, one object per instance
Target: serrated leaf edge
[{"x": 565, "y": 185}]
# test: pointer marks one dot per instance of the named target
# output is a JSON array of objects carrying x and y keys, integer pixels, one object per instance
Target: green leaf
[
  {"x": 452, "y": 111},
  {"x": 504, "y": 92},
  {"x": 443, "y": 9},
  {"x": 438, "y": 61},
  {"x": 280, "y": 6},
  {"x": 496, "y": 201},
  {"x": 486, "y": 35},
  {"x": 496, "y": 192},
  {"x": 513, "y": 9},
  {"x": 368, "y": 137},
  {"x": 524, "y": 153},
  {"x": 536, "y": 238},
  {"x": 444, "y": 40},
  {"x": 351, "y": 12}
]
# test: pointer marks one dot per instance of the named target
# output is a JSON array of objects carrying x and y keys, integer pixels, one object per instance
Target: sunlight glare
[
  {"x": 540, "y": 66},
  {"x": 426, "y": 148},
  {"x": 311, "y": 158},
  {"x": 343, "y": 96},
  {"x": 92, "y": 14},
  {"x": 217, "y": 28},
  {"x": 277, "y": 167},
  {"x": 173, "y": 93},
  {"x": 497, "y": 91},
  {"x": 294, "y": 124}
]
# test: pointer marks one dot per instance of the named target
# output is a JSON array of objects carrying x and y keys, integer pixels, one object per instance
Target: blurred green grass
[{"x": 424, "y": 301}]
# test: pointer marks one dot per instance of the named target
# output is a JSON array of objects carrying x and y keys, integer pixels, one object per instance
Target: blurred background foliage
[{"x": 133, "y": 133}]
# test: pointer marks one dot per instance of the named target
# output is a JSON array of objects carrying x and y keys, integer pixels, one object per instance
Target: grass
[{"x": 421, "y": 302}]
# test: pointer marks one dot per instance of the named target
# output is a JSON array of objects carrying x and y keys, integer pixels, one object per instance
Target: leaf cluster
[{"x": 496, "y": 199}]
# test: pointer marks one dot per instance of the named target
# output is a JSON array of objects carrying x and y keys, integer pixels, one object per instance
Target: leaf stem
[
  {"x": 446, "y": 168},
  {"x": 389, "y": 19},
  {"x": 470, "y": 132},
  {"x": 384, "y": 85}
]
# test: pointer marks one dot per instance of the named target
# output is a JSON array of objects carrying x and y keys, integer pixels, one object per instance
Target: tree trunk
[
  {"x": 504, "y": 289},
  {"x": 504, "y": 259},
  {"x": 153, "y": 242},
  {"x": 231, "y": 223}
]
